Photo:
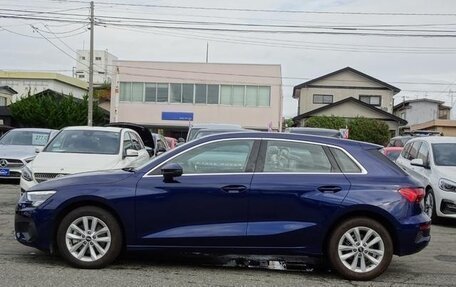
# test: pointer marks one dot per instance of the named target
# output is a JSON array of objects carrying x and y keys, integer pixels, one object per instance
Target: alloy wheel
[
  {"x": 88, "y": 238},
  {"x": 429, "y": 204},
  {"x": 361, "y": 249}
]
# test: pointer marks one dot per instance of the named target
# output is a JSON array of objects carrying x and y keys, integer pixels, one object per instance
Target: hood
[
  {"x": 17, "y": 151},
  {"x": 448, "y": 172},
  {"x": 90, "y": 178},
  {"x": 50, "y": 162}
]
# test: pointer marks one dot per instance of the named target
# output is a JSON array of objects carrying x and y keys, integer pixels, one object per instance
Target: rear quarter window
[{"x": 346, "y": 164}]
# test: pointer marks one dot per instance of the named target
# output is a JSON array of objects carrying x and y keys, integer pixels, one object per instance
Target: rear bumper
[{"x": 413, "y": 235}]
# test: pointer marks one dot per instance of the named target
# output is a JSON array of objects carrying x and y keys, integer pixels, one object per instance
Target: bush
[
  {"x": 360, "y": 128},
  {"x": 54, "y": 111}
]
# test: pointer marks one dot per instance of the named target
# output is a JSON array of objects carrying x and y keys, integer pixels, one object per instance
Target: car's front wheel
[
  {"x": 89, "y": 237},
  {"x": 360, "y": 249}
]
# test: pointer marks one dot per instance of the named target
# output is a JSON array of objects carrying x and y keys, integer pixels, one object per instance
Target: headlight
[
  {"x": 447, "y": 185},
  {"x": 27, "y": 174},
  {"x": 38, "y": 197}
]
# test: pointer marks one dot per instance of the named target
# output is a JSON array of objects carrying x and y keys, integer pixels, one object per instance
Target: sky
[{"x": 399, "y": 61}]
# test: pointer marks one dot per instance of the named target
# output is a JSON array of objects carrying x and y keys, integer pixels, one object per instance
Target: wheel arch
[
  {"x": 91, "y": 201},
  {"x": 375, "y": 215}
]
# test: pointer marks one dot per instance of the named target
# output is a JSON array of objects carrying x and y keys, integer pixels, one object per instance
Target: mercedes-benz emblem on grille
[{"x": 3, "y": 162}]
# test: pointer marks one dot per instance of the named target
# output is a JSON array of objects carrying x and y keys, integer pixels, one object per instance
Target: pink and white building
[{"x": 169, "y": 96}]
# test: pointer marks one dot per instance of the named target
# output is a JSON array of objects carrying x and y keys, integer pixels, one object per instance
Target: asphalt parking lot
[{"x": 23, "y": 266}]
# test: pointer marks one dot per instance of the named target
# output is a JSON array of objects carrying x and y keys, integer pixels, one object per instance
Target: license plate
[{"x": 4, "y": 172}]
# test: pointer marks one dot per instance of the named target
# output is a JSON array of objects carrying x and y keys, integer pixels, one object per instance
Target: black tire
[
  {"x": 115, "y": 244},
  {"x": 340, "y": 230},
  {"x": 430, "y": 193}
]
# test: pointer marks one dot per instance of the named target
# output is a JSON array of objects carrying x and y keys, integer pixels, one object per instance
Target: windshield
[
  {"x": 444, "y": 154},
  {"x": 22, "y": 137},
  {"x": 85, "y": 141}
]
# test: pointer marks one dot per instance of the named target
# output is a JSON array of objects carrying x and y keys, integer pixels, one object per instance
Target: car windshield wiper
[{"x": 129, "y": 169}]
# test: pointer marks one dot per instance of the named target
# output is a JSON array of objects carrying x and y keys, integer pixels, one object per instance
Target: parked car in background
[
  {"x": 196, "y": 127},
  {"x": 83, "y": 149},
  {"x": 392, "y": 152},
  {"x": 432, "y": 161},
  {"x": 314, "y": 131},
  {"x": 18, "y": 147},
  {"x": 399, "y": 141},
  {"x": 142, "y": 131},
  {"x": 249, "y": 192},
  {"x": 207, "y": 132}
]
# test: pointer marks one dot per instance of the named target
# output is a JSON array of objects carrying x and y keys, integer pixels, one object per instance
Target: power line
[
  {"x": 263, "y": 10},
  {"x": 35, "y": 37}
]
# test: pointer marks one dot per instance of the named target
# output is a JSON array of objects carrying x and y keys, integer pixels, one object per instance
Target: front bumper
[
  {"x": 33, "y": 227},
  {"x": 446, "y": 203}
]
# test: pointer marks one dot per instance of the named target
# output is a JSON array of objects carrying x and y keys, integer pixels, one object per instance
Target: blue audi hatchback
[{"x": 237, "y": 193}]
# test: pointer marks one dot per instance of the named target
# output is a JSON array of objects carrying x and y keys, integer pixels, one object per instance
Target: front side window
[
  {"x": 284, "y": 156},
  {"x": 322, "y": 99},
  {"x": 136, "y": 141},
  {"x": 423, "y": 153},
  {"x": 414, "y": 150},
  {"x": 85, "y": 141},
  {"x": 444, "y": 154},
  {"x": 218, "y": 157}
]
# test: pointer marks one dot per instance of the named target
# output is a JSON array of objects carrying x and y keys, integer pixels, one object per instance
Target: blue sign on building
[{"x": 177, "y": 116}]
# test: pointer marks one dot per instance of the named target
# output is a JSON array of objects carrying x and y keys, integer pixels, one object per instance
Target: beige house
[
  {"x": 6, "y": 95},
  {"x": 169, "y": 96},
  {"x": 446, "y": 127},
  {"x": 347, "y": 93}
]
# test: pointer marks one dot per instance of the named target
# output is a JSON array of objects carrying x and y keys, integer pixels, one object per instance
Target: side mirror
[
  {"x": 150, "y": 151},
  {"x": 131, "y": 153},
  {"x": 39, "y": 149},
  {"x": 171, "y": 170},
  {"x": 418, "y": 162}
]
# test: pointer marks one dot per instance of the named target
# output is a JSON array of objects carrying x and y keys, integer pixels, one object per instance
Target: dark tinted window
[
  {"x": 444, "y": 154},
  {"x": 284, "y": 156},
  {"x": 345, "y": 163}
]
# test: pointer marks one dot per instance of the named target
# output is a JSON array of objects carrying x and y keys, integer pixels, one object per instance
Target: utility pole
[
  {"x": 207, "y": 52},
  {"x": 90, "y": 103}
]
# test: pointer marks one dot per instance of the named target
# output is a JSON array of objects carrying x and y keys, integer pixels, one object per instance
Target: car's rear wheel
[
  {"x": 429, "y": 204},
  {"x": 89, "y": 237},
  {"x": 360, "y": 249}
]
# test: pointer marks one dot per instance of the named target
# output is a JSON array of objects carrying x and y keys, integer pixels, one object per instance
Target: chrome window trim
[{"x": 363, "y": 170}]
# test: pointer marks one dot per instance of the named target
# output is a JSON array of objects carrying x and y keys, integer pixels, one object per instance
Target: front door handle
[
  {"x": 234, "y": 188},
  {"x": 329, "y": 189}
]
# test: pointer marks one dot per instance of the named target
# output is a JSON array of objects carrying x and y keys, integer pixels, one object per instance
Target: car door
[
  {"x": 296, "y": 187},
  {"x": 207, "y": 205},
  {"x": 422, "y": 174}
]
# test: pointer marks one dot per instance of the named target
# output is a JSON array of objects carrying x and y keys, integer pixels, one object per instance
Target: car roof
[
  {"x": 87, "y": 128},
  {"x": 215, "y": 126},
  {"x": 288, "y": 136},
  {"x": 312, "y": 129},
  {"x": 435, "y": 139},
  {"x": 33, "y": 130}
]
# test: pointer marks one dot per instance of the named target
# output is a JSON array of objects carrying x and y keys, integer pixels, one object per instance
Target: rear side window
[
  {"x": 285, "y": 156},
  {"x": 406, "y": 151},
  {"x": 346, "y": 164}
]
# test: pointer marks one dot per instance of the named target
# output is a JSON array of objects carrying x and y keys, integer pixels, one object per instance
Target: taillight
[{"x": 412, "y": 194}]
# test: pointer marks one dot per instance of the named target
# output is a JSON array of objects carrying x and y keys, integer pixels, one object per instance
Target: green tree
[
  {"x": 326, "y": 122},
  {"x": 55, "y": 111},
  {"x": 360, "y": 128}
]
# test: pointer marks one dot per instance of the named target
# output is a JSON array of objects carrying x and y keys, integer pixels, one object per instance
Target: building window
[
  {"x": 97, "y": 58},
  {"x": 403, "y": 115},
  {"x": 213, "y": 94},
  {"x": 125, "y": 92},
  {"x": 150, "y": 93},
  {"x": 81, "y": 76},
  {"x": 200, "y": 94},
  {"x": 83, "y": 58},
  {"x": 162, "y": 93},
  {"x": 176, "y": 93},
  {"x": 137, "y": 92},
  {"x": 101, "y": 73},
  {"x": 371, "y": 100},
  {"x": 226, "y": 94},
  {"x": 2, "y": 101},
  {"x": 322, "y": 99},
  {"x": 187, "y": 93}
]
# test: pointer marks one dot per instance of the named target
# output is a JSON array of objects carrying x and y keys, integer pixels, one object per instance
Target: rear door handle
[
  {"x": 329, "y": 189},
  {"x": 234, "y": 188}
]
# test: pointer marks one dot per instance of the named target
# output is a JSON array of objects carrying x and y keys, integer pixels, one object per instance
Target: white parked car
[
  {"x": 85, "y": 149},
  {"x": 432, "y": 161}
]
